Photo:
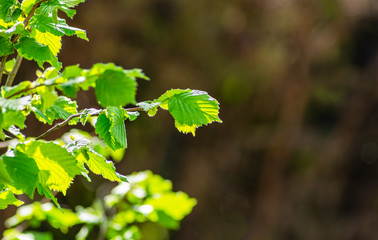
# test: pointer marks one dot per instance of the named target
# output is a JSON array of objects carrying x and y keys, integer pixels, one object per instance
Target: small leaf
[
  {"x": 115, "y": 88},
  {"x": 8, "y": 198},
  {"x": 86, "y": 113},
  {"x": 112, "y": 129},
  {"x": 6, "y": 47},
  {"x": 149, "y": 107}
]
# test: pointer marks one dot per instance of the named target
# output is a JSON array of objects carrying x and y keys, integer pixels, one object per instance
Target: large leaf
[
  {"x": 30, "y": 49},
  {"x": 23, "y": 170},
  {"x": 115, "y": 88},
  {"x": 57, "y": 167},
  {"x": 111, "y": 128},
  {"x": 8, "y": 198},
  {"x": 190, "y": 108}
]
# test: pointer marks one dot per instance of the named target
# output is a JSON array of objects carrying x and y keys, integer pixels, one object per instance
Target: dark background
[{"x": 296, "y": 155}]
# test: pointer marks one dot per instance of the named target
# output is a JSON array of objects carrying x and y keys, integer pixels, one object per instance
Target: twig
[
  {"x": 16, "y": 66},
  {"x": 14, "y": 71},
  {"x": 57, "y": 126},
  {"x": 3, "y": 61},
  {"x": 61, "y": 124}
]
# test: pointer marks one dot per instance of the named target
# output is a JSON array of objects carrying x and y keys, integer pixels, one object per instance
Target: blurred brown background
[{"x": 296, "y": 155}]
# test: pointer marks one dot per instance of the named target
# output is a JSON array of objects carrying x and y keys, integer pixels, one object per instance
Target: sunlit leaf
[
  {"x": 190, "y": 108},
  {"x": 115, "y": 88},
  {"x": 8, "y": 198}
]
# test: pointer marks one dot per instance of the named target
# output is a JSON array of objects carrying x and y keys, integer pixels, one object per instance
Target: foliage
[
  {"x": 130, "y": 207},
  {"x": 31, "y": 29}
]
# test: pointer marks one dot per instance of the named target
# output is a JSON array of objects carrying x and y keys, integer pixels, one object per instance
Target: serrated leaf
[
  {"x": 52, "y": 41},
  {"x": 15, "y": 104},
  {"x": 62, "y": 108},
  {"x": 99, "y": 165},
  {"x": 45, "y": 23},
  {"x": 57, "y": 166},
  {"x": 110, "y": 129},
  {"x": 118, "y": 129},
  {"x": 6, "y": 47},
  {"x": 30, "y": 49},
  {"x": 8, "y": 198},
  {"x": 115, "y": 88},
  {"x": 136, "y": 73},
  {"x": 53, "y": 5},
  {"x": 23, "y": 170},
  {"x": 190, "y": 108}
]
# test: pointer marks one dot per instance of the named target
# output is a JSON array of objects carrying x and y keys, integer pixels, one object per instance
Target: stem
[
  {"x": 3, "y": 61},
  {"x": 18, "y": 59},
  {"x": 14, "y": 71},
  {"x": 61, "y": 124},
  {"x": 57, "y": 126}
]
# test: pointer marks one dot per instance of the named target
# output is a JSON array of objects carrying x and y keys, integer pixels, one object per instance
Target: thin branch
[
  {"x": 57, "y": 126},
  {"x": 62, "y": 124},
  {"x": 30, "y": 88},
  {"x": 14, "y": 71},
  {"x": 3, "y": 61}
]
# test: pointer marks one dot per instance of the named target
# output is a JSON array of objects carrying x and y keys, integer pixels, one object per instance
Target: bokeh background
[{"x": 297, "y": 80}]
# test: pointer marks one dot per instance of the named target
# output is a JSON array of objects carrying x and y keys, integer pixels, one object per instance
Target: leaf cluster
[
  {"x": 147, "y": 198},
  {"x": 31, "y": 29}
]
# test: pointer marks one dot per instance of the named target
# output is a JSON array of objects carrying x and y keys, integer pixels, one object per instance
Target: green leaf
[
  {"x": 42, "y": 190},
  {"x": 9, "y": 65},
  {"x": 149, "y": 107},
  {"x": 45, "y": 23},
  {"x": 53, "y": 5},
  {"x": 118, "y": 129},
  {"x": 99, "y": 165},
  {"x": 6, "y": 9},
  {"x": 190, "y": 108},
  {"x": 30, "y": 49},
  {"x": 6, "y": 47},
  {"x": 62, "y": 108},
  {"x": 136, "y": 73},
  {"x": 111, "y": 128},
  {"x": 27, "y": 5},
  {"x": 57, "y": 166},
  {"x": 8, "y": 198},
  {"x": 23, "y": 170},
  {"x": 15, "y": 104},
  {"x": 86, "y": 113},
  {"x": 11, "y": 117},
  {"x": 52, "y": 41},
  {"x": 6, "y": 92},
  {"x": 115, "y": 88}
]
